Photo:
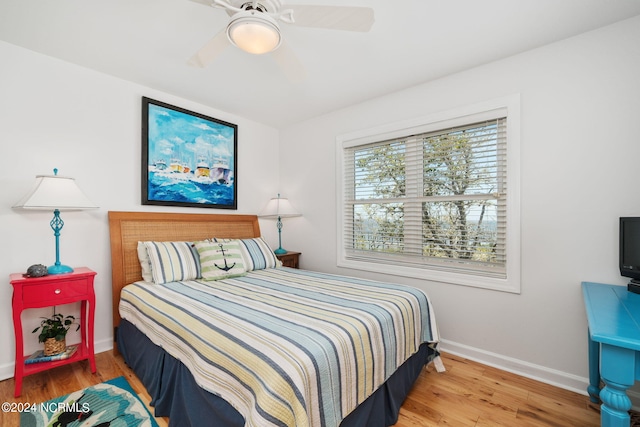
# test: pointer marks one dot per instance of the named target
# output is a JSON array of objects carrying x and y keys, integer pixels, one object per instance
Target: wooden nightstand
[
  {"x": 290, "y": 259},
  {"x": 48, "y": 291}
]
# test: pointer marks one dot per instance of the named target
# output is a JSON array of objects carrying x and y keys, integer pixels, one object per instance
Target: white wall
[
  {"x": 53, "y": 114},
  {"x": 580, "y": 108},
  {"x": 580, "y": 104}
]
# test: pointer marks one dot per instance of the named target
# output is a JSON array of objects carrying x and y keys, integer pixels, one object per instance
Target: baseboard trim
[
  {"x": 526, "y": 369},
  {"x": 546, "y": 375},
  {"x": 540, "y": 373},
  {"x": 6, "y": 371}
]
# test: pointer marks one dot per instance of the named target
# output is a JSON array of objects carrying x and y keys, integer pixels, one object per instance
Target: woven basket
[{"x": 53, "y": 346}]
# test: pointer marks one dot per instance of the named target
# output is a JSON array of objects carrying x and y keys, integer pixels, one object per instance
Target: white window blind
[{"x": 434, "y": 200}]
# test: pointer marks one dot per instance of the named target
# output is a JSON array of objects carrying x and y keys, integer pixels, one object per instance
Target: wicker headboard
[{"x": 126, "y": 229}]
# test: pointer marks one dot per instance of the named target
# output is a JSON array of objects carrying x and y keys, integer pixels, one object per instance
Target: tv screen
[{"x": 630, "y": 247}]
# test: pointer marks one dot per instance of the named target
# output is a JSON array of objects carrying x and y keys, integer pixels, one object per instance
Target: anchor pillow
[{"x": 220, "y": 260}]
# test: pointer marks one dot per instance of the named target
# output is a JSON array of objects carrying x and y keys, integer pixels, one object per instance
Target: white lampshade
[
  {"x": 55, "y": 192},
  {"x": 279, "y": 207},
  {"x": 254, "y": 32}
]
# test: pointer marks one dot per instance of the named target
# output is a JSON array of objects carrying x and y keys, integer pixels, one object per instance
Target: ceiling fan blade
[
  {"x": 288, "y": 61},
  {"x": 205, "y": 2},
  {"x": 210, "y": 50},
  {"x": 348, "y": 18},
  {"x": 218, "y": 4}
]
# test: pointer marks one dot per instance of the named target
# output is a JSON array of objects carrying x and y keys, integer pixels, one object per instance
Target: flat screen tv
[{"x": 630, "y": 248}]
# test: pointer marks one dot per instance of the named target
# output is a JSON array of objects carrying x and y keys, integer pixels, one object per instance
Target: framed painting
[{"x": 188, "y": 159}]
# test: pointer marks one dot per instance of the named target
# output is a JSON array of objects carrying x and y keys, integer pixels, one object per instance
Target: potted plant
[{"x": 53, "y": 332}]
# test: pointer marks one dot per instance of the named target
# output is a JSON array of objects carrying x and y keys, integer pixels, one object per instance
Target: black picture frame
[{"x": 188, "y": 159}]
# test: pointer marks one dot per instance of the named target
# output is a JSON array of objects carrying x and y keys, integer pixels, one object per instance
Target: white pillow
[{"x": 145, "y": 263}]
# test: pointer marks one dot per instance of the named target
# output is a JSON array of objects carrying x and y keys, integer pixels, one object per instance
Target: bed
[{"x": 263, "y": 346}]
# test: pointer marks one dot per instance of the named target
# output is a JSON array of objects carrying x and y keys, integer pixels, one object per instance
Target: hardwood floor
[
  {"x": 467, "y": 394},
  {"x": 67, "y": 379},
  {"x": 471, "y": 394}
]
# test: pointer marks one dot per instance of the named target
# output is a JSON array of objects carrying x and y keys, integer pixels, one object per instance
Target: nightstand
[
  {"x": 48, "y": 291},
  {"x": 290, "y": 259}
]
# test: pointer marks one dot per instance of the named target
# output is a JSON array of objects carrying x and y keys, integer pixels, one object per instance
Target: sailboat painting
[{"x": 188, "y": 159}]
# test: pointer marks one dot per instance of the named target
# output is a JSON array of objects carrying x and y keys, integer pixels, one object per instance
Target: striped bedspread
[{"x": 285, "y": 347}]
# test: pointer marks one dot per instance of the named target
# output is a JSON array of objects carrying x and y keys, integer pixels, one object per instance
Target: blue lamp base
[
  {"x": 59, "y": 269},
  {"x": 56, "y": 225},
  {"x": 279, "y": 251}
]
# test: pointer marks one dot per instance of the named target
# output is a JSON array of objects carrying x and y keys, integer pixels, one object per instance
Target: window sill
[{"x": 503, "y": 285}]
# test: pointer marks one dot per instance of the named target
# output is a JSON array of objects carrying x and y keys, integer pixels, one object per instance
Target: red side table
[{"x": 48, "y": 291}]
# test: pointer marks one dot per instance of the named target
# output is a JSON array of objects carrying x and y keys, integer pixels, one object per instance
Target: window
[{"x": 435, "y": 200}]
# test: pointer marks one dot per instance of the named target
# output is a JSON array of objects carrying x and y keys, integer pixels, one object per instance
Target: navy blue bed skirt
[{"x": 176, "y": 395}]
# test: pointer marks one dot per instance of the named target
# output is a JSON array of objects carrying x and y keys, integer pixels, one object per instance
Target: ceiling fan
[{"x": 254, "y": 28}]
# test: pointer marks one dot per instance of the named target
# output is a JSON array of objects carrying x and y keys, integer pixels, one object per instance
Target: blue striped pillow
[
  {"x": 173, "y": 261},
  {"x": 257, "y": 254}
]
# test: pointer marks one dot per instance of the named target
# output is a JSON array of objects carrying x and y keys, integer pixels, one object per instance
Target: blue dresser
[{"x": 614, "y": 347}]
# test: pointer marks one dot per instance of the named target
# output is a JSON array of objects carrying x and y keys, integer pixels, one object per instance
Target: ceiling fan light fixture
[{"x": 254, "y": 32}]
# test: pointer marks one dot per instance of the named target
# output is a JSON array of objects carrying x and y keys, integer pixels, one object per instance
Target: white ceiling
[{"x": 412, "y": 41}]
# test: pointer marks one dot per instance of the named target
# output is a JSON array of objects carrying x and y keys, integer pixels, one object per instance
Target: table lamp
[
  {"x": 57, "y": 193},
  {"x": 279, "y": 208}
]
